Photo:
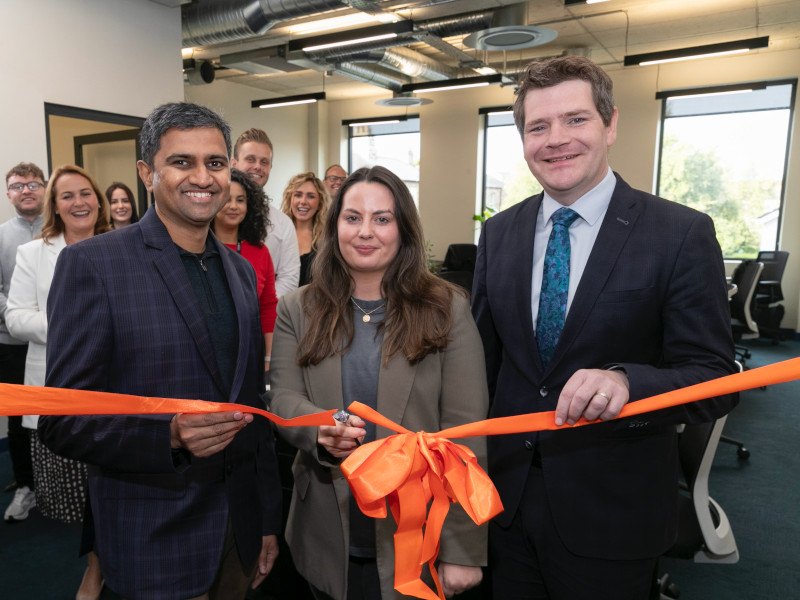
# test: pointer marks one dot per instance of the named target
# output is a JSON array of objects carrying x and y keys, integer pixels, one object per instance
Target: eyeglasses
[
  {"x": 31, "y": 185},
  {"x": 335, "y": 179}
]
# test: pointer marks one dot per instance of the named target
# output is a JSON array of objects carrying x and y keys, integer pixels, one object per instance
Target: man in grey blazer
[
  {"x": 623, "y": 299},
  {"x": 184, "y": 506}
]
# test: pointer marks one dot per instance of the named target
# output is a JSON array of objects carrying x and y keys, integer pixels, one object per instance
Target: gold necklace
[{"x": 366, "y": 314}]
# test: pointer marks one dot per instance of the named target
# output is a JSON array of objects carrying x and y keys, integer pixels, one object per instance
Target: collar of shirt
[
  {"x": 209, "y": 250},
  {"x": 591, "y": 206}
]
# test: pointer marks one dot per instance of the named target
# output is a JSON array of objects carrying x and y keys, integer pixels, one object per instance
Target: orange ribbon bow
[{"x": 411, "y": 470}]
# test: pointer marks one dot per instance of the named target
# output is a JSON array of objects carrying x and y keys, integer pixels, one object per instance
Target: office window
[
  {"x": 506, "y": 177},
  {"x": 724, "y": 152},
  {"x": 393, "y": 144}
]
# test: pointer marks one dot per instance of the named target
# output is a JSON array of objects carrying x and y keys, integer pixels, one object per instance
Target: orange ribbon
[
  {"x": 409, "y": 470},
  {"x": 18, "y": 400}
]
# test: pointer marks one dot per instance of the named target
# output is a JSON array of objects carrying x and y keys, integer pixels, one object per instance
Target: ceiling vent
[{"x": 509, "y": 31}]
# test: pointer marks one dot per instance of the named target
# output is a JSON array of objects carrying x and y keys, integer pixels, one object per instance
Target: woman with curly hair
[
  {"x": 306, "y": 202},
  {"x": 242, "y": 226}
]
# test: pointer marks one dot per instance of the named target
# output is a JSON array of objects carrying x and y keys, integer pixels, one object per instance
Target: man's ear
[{"x": 145, "y": 174}]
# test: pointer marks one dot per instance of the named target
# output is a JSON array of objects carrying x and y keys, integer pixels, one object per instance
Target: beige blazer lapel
[
  {"x": 394, "y": 389},
  {"x": 324, "y": 382}
]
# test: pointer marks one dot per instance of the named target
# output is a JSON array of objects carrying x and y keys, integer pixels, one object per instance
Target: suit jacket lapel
[
  {"x": 394, "y": 388},
  {"x": 522, "y": 283},
  {"x": 53, "y": 249},
  {"x": 620, "y": 219},
  {"x": 169, "y": 265}
]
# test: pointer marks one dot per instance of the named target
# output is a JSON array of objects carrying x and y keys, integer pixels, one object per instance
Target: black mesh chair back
[
  {"x": 774, "y": 262},
  {"x": 460, "y": 257},
  {"x": 745, "y": 277}
]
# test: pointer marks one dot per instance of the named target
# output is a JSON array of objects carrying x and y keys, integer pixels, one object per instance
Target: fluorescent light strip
[
  {"x": 693, "y": 57},
  {"x": 383, "y": 122},
  {"x": 445, "y": 88},
  {"x": 709, "y": 94},
  {"x": 288, "y": 100},
  {"x": 385, "y": 36},
  {"x": 288, "y": 103}
]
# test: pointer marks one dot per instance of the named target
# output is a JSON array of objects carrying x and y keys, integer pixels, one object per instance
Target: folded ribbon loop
[{"x": 411, "y": 471}]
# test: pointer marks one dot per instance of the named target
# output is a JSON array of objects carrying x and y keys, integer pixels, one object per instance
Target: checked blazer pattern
[{"x": 124, "y": 318}]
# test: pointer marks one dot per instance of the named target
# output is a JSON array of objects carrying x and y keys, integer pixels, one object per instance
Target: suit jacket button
[
  {"x": 543, "y": 392},
  {"x": 528, "y": 445},
  {"x": 229, "y": 469}
]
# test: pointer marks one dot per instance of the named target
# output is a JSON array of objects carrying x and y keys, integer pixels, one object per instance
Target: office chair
[
  {"x": 744, "y": 327},
  {"x": 462, "y": 279},
  {"x": 704, "y": 531},
  {"x": 768, "y": 311},
  {"x": 458, "y": 266},
  {"x": 460, "y": 257}
]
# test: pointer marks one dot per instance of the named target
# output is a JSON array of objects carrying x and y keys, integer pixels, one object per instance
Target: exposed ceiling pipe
[
  {"x": 212, "y": 22},
  {"x": 458, "y": 24},
  {"x": 415, "y": 64},
  {"x": 361, "y": 73},
  {"x": 332, "y": 55},
  {"x": 403, "y": 60}
]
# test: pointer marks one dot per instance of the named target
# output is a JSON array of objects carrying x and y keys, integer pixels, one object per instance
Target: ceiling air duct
[{"x": 214, "y": 22}]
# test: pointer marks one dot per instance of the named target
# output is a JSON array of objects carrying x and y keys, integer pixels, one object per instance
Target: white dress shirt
[
  {"x": 592, "y": 208},
  {"x": 282, "y": 243}
]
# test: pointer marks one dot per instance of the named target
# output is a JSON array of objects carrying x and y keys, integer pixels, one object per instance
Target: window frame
[{"x": 664, "y": 96}]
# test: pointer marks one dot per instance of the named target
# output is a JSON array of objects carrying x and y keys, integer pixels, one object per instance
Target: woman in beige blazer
[{"x": 374, "y": 326}]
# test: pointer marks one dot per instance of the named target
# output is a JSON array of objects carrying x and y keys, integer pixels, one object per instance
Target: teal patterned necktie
[{"x": 555, "y": 285}]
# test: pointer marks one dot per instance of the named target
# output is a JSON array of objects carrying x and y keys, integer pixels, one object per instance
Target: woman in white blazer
[{"x": 75, "y": 210}]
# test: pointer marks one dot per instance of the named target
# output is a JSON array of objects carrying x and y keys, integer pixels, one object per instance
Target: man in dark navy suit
[
  {"x": 589, "y": 296},
  {"x": 186, "y": 505}
]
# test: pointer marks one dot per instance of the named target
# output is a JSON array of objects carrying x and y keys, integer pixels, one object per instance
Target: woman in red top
[{"x": 242, "y": 226}]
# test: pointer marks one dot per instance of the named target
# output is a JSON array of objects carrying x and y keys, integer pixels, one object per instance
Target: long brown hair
[
  {"x": 318, "y": 220},
  {"x": 418, "y": 313},
  {"x": 53, "y": 225}
]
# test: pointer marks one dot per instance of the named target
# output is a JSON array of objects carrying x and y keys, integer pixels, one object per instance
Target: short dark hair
[
  {"x": 254, "y": 134},
  {"x": 26, "y": 169},
  {"x": 552, "y": 71},
  {"x": 178, "y": 115},
  {"x": 253, "y": 228},
  {"x": 118, "y": 185}
]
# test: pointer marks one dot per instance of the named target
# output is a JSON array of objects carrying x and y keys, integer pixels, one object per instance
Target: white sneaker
[{"x": 24, "y": 500}]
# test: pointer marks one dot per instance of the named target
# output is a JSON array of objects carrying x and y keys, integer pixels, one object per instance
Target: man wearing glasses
[
  {"x": 25, "y": 183},
  {"x": 334, "y": 178}
]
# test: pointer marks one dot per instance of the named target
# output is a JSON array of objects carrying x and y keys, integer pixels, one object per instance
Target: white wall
[{"x": 119, "y": 56}]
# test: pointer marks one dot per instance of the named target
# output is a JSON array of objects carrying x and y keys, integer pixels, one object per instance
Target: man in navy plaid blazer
[{"x": 184, "y": 506}]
